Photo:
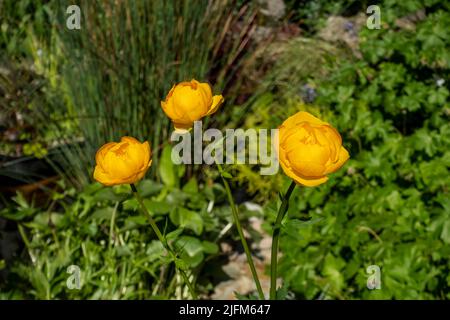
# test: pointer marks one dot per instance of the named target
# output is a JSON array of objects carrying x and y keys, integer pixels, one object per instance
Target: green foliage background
[{"x": 388, "y": 206}]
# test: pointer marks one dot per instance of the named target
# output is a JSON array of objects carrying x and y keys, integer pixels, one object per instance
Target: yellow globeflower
[
  {"x": 310, "y": 149},
  {"x": 123, "y": 162},
  {"x": 190, "y": 101}
]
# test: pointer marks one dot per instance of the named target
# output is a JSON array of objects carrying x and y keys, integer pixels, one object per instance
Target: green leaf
[
  {"x": 20, "y": 200},
  {"x": 167, "y": 169},
  {"x": 123, "y": 251},
  {"x": 191, "y": 186},
  {"x": 181, "y": 264},
  {"x": 149, "y": 188},
  {"x": 187, "y": 219},
  {"x": 445, "y": 234},
  {"x": 92, "y": 188},
  {"x": 139, "y": 220},
  {"x": 245, "y": 297},
  {"x": 43, "y": 220},
  {"x": 131, "y": 204},
  {"x": 155, "y": 250},
  {"x": 332, "y": 269},
  {"x": 103, "y": 214},
  {"x": 192, "y": 250},
  {"x": 174, "y": 234},
  {"x": 91, "y": 229},
  {"x": 226, "y": 175},
  {"x": 157, "y": 207},
  {"x": 282, "y": 292},
  {"x": 17, "y": 214},
  {"x": 210, "y": 247},
  {"x": 296, "y": 228},
  {"x": 189, "y": 245}
]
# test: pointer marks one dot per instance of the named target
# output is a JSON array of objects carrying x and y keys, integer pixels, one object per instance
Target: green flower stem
[
  {"x": 234, "y": 211},
  {"x": 275, "y": 239},
  {"x": 163, "y": 240}
]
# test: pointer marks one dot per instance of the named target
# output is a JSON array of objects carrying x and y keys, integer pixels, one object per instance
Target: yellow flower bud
[
  {"x": 309, "y": 149},
  {"x": 123, "y": 162},
  {"x": 190, "y": 101}
]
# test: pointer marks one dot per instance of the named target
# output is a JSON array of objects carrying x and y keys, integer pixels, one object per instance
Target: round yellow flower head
[
  {"x": 123, "y": 162},
  {"x": 309, "y": 149},
  {"x": 190, "y": 101}
]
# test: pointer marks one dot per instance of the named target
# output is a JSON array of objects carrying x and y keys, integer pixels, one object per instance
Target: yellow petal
[
  {"x": 205, "y": 88},
  {"x": 142, "y": 173},
  {"x": 169, "y": 110},
  {"x": 100, "y": 155},
  {"x": 308, "y": 169},
  {"x": 298, "y": 178},
  {"x": 136, "y": 157},
  {"x": 343, "y": 157},
  {"x": 147, "y": 154},
  {"x": 101, "y": 176},
  {"x": 122, "y": 163},
  {"x": 136, "y": 176},
  {"x": 302, "y": 116},
  {"x": 188, "y": 103},
  {"x": 116, "y": 163},
  {"x": 333, "y": 141},
  {"x": 216, "y": 102},
  {"x": 300, "y": 152},
  {"x": 309, "y": 182},
  {"x": 130, "y": 140}
]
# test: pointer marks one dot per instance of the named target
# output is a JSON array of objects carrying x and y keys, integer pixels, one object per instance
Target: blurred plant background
[{"x": 64, "y": 93}]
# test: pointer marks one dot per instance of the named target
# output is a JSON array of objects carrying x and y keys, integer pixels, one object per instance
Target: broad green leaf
[
  {"x": 226, "y": 175},
  {"x": 174, "y": 234},
  {"x": 210, "y": 247},
  {"x": 187, "y": 219},
  {"x": 157, "y": 207},
  {"x": 103, "y": 214},
  {"x": 149, "y": 188},
  {"x": 167, "y": 170},
  {"x": 190, "y": 245},
  {"x": 191, "y": 186}
]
